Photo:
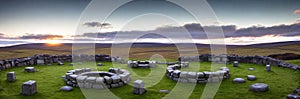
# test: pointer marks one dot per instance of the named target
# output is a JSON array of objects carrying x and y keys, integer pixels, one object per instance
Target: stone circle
[
  {"x": 259, "y": 87},
  {"x": 85, "y": 78},
  {"x": 195, "y": 77}
]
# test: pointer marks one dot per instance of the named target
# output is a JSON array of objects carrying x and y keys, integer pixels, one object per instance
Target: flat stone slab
[
  {"x": 292, "y": 96},
  {"x": 29, "y": 69},
  {"x": 259, "y": 87},
  {"x": 238, "y": 80},
  {"x": 251, "y": 77},
  {"x": 66, "y": 88},
  {"x": 164, "y": 91},
  {"x": 251, "y": 69}
]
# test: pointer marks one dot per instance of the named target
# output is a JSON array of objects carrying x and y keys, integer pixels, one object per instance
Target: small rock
[
  {"x": 164, "y": 91},
  {"x": 251, "y": 69},
  {"x": 66, "y": 88}
]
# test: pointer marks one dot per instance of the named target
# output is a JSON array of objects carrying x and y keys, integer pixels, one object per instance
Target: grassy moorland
[
  {"x": 281, "y": 82},
  {"x": 139, "y": 51}
]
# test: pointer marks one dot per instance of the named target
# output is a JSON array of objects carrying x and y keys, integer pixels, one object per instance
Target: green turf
[{"x": 280, "y": 80}]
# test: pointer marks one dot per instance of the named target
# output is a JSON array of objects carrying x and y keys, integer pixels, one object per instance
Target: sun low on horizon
[{"x": 52, "y": 42}]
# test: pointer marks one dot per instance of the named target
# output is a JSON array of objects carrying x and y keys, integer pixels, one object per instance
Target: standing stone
[
  {"x": 29, "y": 69},
  {"x": 29, "y": 88},
  {"x": 11, "y": 76},
  {"x": 138, "y": 87},
  {"x": 268, "y": 68},
  {"x": 236, "y": 64}
]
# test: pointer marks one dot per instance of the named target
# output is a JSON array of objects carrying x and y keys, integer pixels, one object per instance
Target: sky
[{"x": 39, "y": 19}]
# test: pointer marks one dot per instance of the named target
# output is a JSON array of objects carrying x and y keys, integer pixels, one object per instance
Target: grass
[{"x": 280, "y": 80}]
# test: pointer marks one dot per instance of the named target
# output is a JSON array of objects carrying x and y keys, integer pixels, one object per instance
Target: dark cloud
[
  {"x": 98, "y": 24},
  {"x": 197, "y": 31},
  {"x": 282, "y": 30},
  {"x": 40, "y": 36}
]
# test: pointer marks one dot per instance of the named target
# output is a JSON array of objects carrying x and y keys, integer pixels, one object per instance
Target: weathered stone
[
  {"x": 238, "y": 80},
  {"x": 115, "y": 79},
  {"x": 293, "y": 96},
  {"x": 192, "y": 75},
  {"x": 29, "y": 69},
  {"x": 176, "y": 73},
  {"x": 268, "y": 68},
  {"x": 88, "y": 85},
  {"x": 207, "y": 74},
  {"x": 296, "y": 91},
  {"x": 29, "y": 88},
  {"x": 66, "y": 88},
  {"x": 224, "y": 68},
  {"x": 107, "y": 79},
  {"x": 139, "y": 87},
  {"x": 236, "y": 64},
  {"x": 98, "y": 86},
  {"x": 114, "y": 85},
  {"x": 73, "y": 76},
  {"x": 192, "y": 80},
  {"x": 182, "y": 80},
  {"x": 60, "y": 63},
  {"x": 90, "y": 80},
  {"x": 40, "y": 62},
  {"x": 81, "y": 79},
  {"x": 11, "y": 76},
  {"x": 121, "y": 83},
  {"x": 251, "y": 77},
  {"x": 183, "y": 74},
  {"x": 200, "y": 75},
  {"x": 164, "y": 91},
  {"x": 99, "y": 64},
  {"x": 259, "y": 87},
  {"x": 250, "y": 68},
  {"x": 138, "y": 83}
]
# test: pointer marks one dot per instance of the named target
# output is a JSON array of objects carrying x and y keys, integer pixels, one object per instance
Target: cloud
[
  {"x": 1, "y": 35},
  {"x": 196, "y": 31},
  {"x": 297, "y": 12},
  {"x": 297, "y": 21},
  {"x": 97, "y": 24},
  {"x": 40, "y": 36}
]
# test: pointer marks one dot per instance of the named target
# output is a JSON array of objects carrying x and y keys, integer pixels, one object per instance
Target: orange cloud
[{"x": 297, "y": 12}]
